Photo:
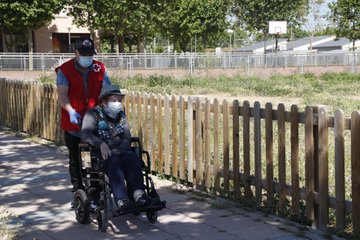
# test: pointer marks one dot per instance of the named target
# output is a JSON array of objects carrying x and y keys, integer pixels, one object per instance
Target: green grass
[
  {"x": 336, "y": 90},
  {"x": 8, "y": 231}
]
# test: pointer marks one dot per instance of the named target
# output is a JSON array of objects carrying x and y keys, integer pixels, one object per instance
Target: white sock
[{"x": 137, "y": 194}]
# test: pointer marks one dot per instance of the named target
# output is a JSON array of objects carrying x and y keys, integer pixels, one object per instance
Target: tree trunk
[
  {"x": 121, "y": 43},
  {"x": 31, "y": 50},
  {"x": 141, "y": 45}
]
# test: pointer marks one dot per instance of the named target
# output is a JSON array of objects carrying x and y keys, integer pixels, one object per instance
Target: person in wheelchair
[{"x": 105, "y": 127}]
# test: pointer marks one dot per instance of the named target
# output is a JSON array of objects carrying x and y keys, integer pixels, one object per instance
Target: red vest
[{"x": 80, "y": 100}]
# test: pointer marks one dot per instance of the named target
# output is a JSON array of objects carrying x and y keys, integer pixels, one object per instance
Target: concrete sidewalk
[{"x": 35, "y": 190}]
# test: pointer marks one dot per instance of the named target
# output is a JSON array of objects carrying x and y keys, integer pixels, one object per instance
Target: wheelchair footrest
[{"x": 137, "y": 210}]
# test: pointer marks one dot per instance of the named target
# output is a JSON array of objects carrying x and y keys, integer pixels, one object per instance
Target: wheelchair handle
[{"x": 79, "y": 123}]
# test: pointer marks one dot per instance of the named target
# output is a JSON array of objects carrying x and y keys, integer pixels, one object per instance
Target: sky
[{"x": 324, "y": 9}]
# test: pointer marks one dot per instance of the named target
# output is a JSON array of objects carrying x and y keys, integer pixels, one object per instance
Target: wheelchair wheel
[
  {"x": 152, "y": 216},
  {"x": 102, "y": 220},
  {"x": 81, "y": 206}
]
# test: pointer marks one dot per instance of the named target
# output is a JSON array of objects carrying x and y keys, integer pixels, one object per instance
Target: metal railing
[{"x": 189, "y": 62}]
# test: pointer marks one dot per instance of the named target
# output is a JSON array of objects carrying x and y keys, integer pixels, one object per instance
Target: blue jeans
[{"x": 125, "y": 175}]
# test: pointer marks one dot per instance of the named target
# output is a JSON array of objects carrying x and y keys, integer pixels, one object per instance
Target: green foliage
[
  {"x": 19, "y": 17},
  {"x": 182, "y": 20},
  {"x": 117, "y": 18},
  {"x": 345, "y": 15}
]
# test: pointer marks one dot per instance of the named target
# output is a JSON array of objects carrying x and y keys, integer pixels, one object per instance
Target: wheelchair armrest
[
  {"x": 135, "y": 139},
  {"x": 85, "y": 146}
]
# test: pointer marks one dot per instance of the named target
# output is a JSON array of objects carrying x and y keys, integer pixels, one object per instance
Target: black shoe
[
  {"x": 145, "y": 201},
  {"x": 125, "y": 205}
]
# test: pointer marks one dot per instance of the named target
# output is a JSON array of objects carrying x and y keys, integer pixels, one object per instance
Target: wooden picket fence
[{"x": 283, "y": 160}]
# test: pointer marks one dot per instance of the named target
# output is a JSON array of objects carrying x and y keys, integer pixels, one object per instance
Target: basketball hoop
[{"x": 277, "y": 27}]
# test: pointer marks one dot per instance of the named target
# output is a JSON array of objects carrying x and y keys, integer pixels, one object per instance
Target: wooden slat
[
  {"x": 340, "y": 170},
  {"x": 236, "y": 147},
  {"x": 355, "y": 170},
  {"x": 167, "y": 134},
  {"x": 182, "y": 137},
  {"x": 139, "y": 116},
  {"x": 146, "y": 121},
  {"x": 174, "y": 112},
  {"x": 309, "y": 163},
  {"x": 133, "y": 119},
  {"x": 127, "y": 106},
  {"x": 269, "y": 155},
  {"x": 207, "y": 152},
  {"x": 246, "y": 148},
  {"x": 216, "y": 146},
  {"x": 190, "y": 167},
  {"x": 257, "y": 150},
  {"x": 226, "y": 146},
  {"x": 323, "y": 170},
  {"x": 153, "y": 132},
  {"x": 198, "y": 144},
  {"x": 316, "y": 164},
  {"x": 159, "y": 134},
  {"x": 282, "y": 159},
  {"x": 295, "y": 177}
]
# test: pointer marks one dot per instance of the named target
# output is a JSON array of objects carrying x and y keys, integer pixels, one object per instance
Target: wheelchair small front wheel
[
  {"x": 102, "y": 220},
  {"x": 152, "y": 216},
  {"x": 81, "y": 207}
]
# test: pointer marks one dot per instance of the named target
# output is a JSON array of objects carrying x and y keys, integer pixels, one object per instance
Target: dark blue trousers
[{"x": 124, "y": 172}]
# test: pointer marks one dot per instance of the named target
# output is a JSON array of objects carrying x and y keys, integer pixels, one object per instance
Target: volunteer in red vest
[{"x": 79, "y": 82}]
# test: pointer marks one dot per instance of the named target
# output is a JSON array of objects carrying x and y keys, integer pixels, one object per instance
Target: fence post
[
  {"x": 190, "y": 166},
  {"x": 355, "y": 170},
  {"x": 257, "y": 150},
  {"x": 167, "y": 134},
  {"x": 309, "y": 164},
  {"x": 295, "y": 196},
  {"x": 216, "y": 146},
  {"x": 198, "y": 145},
  {"x": 246, "y": 148},
  {"x": 323, "y": 162},
  {"x": 226, "y": 146},
  {"x": 282, "y": 158},
  {"x": 339, "y": 169},
  {"x": 236, "y": 146},
  {"x": 269, "y": 156}
]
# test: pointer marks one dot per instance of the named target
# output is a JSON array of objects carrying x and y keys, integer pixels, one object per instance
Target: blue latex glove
[{"x": 74, "y": 117}]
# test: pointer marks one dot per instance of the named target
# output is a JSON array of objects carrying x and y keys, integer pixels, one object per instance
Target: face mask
[
  {"x": 113, "y": 108},
  {"x": 85, "y": 61}
]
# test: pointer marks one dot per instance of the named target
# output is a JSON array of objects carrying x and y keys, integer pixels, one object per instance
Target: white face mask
[
  {"x": 114, "y": 107},
  {"x": 85, "y": 61}
]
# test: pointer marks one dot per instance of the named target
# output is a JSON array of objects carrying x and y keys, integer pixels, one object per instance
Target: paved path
[{"x": 34, "y": 189}]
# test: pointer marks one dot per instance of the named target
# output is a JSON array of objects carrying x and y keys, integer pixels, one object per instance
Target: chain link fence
[{"x": 190, "y": 62}]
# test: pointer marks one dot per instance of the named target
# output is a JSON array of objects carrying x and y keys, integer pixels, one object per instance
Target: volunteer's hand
[
  {"x": 105, "y": 151},
  {"x": 74, "y": 116}
]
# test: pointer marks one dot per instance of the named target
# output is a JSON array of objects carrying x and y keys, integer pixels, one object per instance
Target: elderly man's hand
[{"x": 105, "y": 151}]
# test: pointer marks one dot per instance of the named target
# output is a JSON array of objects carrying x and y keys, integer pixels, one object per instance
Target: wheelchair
[{"x": 96, "y": 183}]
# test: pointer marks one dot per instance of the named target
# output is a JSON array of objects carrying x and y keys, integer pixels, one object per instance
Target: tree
[
  {"x": 184, "y": 20},
  {"x": 19, "y": 18},
  {"x": 116, "y": 18},
  {"x": 345, "y": 14},
  {"x": 256, "y": 14}
]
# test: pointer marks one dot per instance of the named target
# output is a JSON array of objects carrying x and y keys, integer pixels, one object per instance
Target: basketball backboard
[{"x": 277, "y": 27}]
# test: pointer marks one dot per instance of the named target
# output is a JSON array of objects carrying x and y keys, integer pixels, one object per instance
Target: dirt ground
[{"x": 180, "y": 73}]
